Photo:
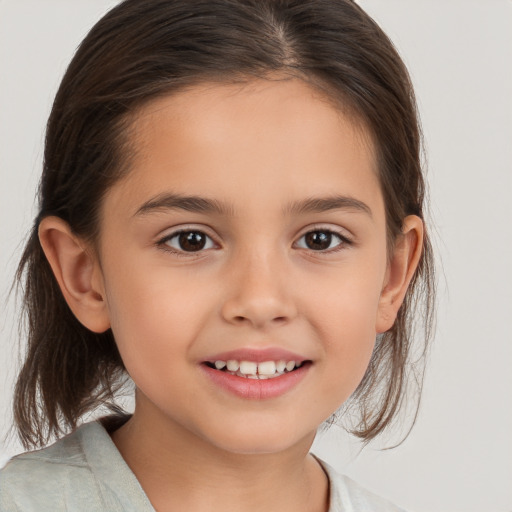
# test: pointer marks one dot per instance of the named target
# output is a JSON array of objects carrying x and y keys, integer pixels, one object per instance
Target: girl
[{"x": 231, "y": 214}]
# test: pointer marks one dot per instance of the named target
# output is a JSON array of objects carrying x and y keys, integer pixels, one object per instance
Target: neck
[{"x": 181, "y": 471}]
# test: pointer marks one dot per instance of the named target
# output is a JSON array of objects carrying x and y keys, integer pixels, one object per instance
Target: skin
[{"x": 256, "y": 149}]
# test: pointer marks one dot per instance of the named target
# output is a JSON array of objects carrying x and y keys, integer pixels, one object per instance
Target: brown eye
[
  {"x": 189, "y": 241},
  {"x": 320, "y": 240},
  {"x": 192, "y": 241}
]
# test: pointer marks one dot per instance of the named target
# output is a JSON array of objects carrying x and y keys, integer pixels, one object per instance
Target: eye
[
  {"x": 321, "y": 240},
  {"x": 188, "y": 241}
]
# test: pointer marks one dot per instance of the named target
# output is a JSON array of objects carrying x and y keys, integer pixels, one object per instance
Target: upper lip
[{"x": 256, "y": 355}]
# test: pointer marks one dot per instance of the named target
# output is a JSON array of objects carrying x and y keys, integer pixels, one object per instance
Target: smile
[
  {"x": 256, "y": 375},
  {"x": 255, "y": 370}
]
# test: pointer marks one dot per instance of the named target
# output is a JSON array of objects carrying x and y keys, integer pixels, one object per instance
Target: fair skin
[{"x": 288, "y": 253}]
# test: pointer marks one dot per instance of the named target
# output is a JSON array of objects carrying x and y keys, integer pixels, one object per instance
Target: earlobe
[
  {"x": 401, "y": 268},
  {"x": 77, "y": 271}
]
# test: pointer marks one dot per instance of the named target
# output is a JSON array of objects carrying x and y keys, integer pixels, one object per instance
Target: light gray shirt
[{"x": 85, "y": 472}]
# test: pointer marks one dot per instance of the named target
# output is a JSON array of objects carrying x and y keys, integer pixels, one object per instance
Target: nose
[{"x": 260, "y": 292}]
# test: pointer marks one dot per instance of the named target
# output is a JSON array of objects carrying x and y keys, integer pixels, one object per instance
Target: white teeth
[
  {"x": 280, "y": 366},
  {"x": 233, "y": 365},
  {"x": 248, "y": 367},
  {"x": 253, "y": 370},
  {"x": 267, "y": 368}
]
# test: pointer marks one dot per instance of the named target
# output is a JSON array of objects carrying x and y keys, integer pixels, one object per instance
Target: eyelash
[
  {"x": 163, "y": 243},
  {"x": 343, "y": 243}
]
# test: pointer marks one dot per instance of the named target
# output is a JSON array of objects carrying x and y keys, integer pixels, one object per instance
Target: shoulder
[
  {"x": 71, "y": 474},
  {"x": 347, "y": 495}
]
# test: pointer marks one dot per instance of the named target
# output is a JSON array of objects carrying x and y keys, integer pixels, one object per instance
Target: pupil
[
  {"x": 318, "y": 240},
  {"x": 192, "y": 241}
]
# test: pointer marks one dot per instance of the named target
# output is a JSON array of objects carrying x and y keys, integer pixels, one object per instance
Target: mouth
[
  {"x": 262, "y": 374},
  {"x": 263, "y": 370}
]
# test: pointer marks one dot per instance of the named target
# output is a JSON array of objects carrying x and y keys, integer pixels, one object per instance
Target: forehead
[{"x": 252, "y": 140}]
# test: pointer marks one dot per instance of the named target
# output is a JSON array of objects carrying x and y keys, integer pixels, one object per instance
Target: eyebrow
[
  {"x": 324, "y": 204},
  {"x": 200, "y": 204},
  {"x": 188, "y": 203}
]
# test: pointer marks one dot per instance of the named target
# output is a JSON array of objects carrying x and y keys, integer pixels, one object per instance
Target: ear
[
  {"x": 401, "y": 267},
  {"x": 77, "y": 271}
]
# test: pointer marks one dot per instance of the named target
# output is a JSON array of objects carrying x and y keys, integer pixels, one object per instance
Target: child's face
[{"x": 285, "y": 258}]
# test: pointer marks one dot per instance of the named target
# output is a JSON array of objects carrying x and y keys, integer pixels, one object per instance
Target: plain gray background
[{"x": 459, "y": 456}]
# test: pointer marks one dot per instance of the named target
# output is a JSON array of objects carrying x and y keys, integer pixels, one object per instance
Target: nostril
[
  {"x": 257, "y": 311},
  {"x": 241, "y": 319}
]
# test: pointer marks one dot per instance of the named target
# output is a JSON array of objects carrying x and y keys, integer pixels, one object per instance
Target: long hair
[{"x": 141, "y": 50}]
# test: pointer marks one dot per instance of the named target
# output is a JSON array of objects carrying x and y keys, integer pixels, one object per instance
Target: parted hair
[{"x": 141, "y": 50}]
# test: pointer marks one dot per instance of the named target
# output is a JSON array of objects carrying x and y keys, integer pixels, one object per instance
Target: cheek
[
  {"x": 350, "y": 337},
  {"x": 145, "y": 314},
  {"x": 156, "y": 314},
  {"x": 348, "y": 302},
  {"x": 145, "y": 297},
  {"x": 346, "y": 322}
]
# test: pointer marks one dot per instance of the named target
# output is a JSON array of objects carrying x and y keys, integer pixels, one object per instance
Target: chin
[
  {"x": 256, "y": 447},
  {"x": 258, "y": 440}
]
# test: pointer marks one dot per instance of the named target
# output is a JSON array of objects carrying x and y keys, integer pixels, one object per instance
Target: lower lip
[{"x": 255, "y": 389}]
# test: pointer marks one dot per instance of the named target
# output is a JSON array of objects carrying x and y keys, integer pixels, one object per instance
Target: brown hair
[{"x": 142, "y": 50}]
